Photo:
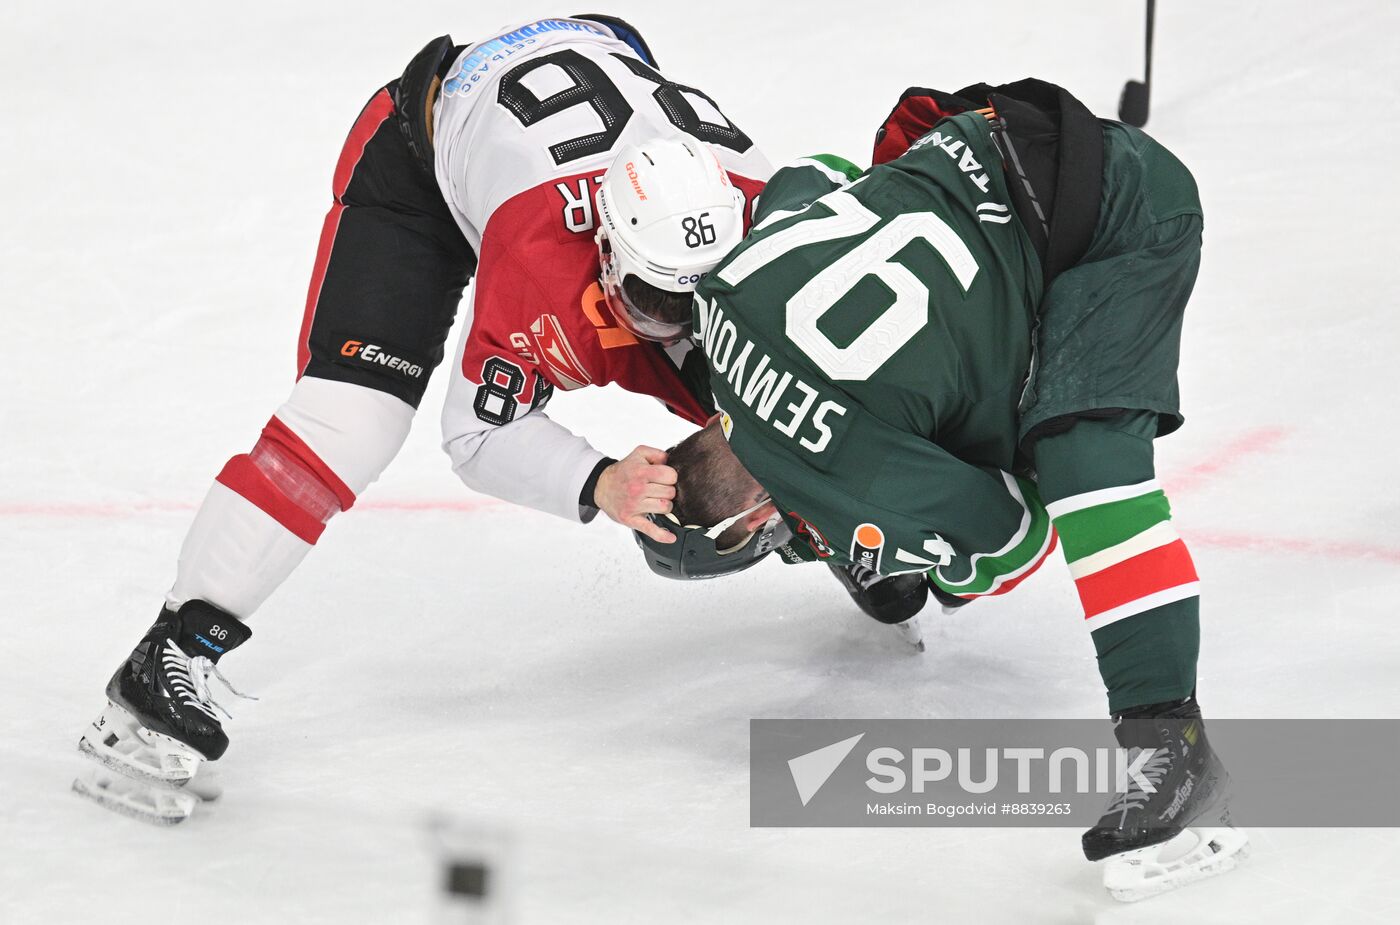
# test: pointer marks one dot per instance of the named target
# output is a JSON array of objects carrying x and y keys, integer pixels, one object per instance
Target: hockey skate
[
  {"x": 160, "y": 724},
  {"x": 1158, "y": 841},
  {"x": 894, "y": 600}
]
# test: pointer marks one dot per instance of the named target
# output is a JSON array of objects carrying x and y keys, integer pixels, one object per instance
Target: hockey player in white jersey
[{"x": 587, "y": 194}]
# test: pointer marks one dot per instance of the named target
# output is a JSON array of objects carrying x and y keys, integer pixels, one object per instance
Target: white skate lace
[
  {"x": 1154, "y": 771},
  {"x": 189, "y": 677}
]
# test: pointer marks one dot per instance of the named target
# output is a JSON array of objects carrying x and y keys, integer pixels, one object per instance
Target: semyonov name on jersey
[{"x": 761, "y": 385}]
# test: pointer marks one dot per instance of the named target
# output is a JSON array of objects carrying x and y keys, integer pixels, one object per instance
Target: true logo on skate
[
  {"x": 360, "y": 353},
  {"x": 207, "y": 644}
]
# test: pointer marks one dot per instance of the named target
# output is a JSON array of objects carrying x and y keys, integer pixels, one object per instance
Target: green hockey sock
[{"x": 1135, "y": 577}]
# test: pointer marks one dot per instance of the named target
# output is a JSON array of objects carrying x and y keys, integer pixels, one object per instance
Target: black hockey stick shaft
[
  {"x": 1151, "y": 20},
  {"x": 1133, "y": 104}
]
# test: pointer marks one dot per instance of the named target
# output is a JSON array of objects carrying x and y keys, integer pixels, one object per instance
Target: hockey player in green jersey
[{"x": 936, "y": 368}]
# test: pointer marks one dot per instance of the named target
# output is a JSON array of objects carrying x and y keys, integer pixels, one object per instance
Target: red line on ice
[
  {"x": 1254, "y": 442},
  {"x": 102, "y": 509},
  {"x": 1327, "y": 549},
  {"x": 409, "y": 505},
  {"x": 1250, "y": 443}
]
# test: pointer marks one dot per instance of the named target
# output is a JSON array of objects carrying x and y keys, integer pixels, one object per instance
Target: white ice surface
[{"x": 163, "y": 173}]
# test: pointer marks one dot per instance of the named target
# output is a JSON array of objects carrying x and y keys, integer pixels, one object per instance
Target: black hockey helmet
[{"x": 695, "y": 554}]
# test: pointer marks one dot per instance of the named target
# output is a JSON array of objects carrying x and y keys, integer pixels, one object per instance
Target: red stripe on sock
[
  {"x": 245, "y": 478},
  {"x": 1143, "y": 574},
  {"x": 282, "y": 435},
  {"x": 373, "y": 116}
]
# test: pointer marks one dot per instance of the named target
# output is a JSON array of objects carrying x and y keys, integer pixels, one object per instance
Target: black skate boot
[
  {"x": 164, "y": 684},
  {"x": 160, "y": 720},
  {"x": 160, "y": 723},
  {"x": 891, "y": 599},
  {"x": 1148, "y": 832}
]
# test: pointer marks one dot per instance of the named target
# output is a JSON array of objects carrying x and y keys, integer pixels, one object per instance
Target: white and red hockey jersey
[{"x": 525, "y": 126}]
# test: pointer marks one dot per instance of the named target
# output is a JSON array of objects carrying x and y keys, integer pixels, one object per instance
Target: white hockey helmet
[{"x": 667, "y": 216}]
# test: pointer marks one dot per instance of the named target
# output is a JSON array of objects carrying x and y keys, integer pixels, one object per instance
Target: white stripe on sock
[
  {"x": 1102, "y": 496},
  {"x": 1142, "y": 604},
  {"x": 1157, "y": 535}
]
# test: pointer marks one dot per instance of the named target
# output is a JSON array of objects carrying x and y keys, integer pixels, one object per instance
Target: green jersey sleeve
[
  {"x": 896, "y": 502},
  {"x": 793, "y": 187}
]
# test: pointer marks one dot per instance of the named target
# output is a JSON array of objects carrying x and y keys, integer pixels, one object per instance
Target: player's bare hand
[{"x": 637, "y": 485}]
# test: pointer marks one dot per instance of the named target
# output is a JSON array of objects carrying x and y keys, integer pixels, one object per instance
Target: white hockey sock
[{"x": 267, "y": 508}]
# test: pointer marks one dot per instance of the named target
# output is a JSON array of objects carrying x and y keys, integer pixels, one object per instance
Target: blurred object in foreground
[{"x": 475, "y": 878}]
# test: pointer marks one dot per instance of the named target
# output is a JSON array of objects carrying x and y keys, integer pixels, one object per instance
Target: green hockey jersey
[{"x": 868, "y": 344}]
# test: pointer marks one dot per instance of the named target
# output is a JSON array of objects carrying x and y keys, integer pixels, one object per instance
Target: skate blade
[
  {"x": 1195, "y": 854},
  {"x": 911, "y": 632},
  {"x": 119, "y": 742},
  {"x": 153, "y": 804}
]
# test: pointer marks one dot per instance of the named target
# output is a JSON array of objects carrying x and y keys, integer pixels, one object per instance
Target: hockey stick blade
[{"x": 1132, "y": 105}]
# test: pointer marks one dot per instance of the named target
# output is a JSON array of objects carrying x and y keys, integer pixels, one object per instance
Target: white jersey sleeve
[
  {"x": 534, "y": 461},
  {"x": 531, "y": 460}
]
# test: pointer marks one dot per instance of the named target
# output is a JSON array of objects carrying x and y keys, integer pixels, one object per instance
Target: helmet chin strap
[
  {"x": 718, "y": 529},
  {"x": 695, "y": 553}
]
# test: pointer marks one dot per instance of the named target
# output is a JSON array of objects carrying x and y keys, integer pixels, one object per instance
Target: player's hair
[
  {"x": 711, "y": 483},
  {"x": 668, "y": 307}
]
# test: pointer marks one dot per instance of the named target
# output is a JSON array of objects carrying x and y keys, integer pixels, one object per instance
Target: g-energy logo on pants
[
  {"x": 867, "y": 546},
  {"x": 386, "y": 359}
]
